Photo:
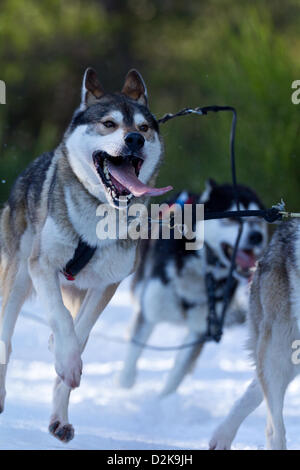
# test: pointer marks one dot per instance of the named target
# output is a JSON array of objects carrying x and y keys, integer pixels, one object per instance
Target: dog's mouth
[
  {"x": 245, "y": 259},
  {"x": 120, "y": 176}
]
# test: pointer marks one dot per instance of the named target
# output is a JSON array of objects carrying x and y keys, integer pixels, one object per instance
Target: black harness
[
  {"x": 214, "y": 321},
  {"x": 216, "y": 291},
  {"x": 82, "y": 255}
]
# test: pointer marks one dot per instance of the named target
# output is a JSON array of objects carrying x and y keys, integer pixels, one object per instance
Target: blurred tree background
[{"x": 191, "y": 53}]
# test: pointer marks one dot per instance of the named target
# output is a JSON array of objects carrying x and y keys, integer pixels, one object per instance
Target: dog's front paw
[
  {"x": 68, "y": 366},
  {"x": 221, "y": 440},
  {"x": 62, "y": 431}
]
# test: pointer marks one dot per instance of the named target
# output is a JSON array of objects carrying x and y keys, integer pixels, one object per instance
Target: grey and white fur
[
  {"x": 52, "y": 206},
  {"x": 273, "y": 325}
]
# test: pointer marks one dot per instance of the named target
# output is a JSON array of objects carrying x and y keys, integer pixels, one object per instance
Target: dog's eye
[
  {"x": 144, "y": 128},
  {"x": 109, "y": 124}
]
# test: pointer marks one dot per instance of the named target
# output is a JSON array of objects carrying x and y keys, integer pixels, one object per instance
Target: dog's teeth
[
  {"x": 110, "y": 188},
  {"x": 105, "y": 169}
]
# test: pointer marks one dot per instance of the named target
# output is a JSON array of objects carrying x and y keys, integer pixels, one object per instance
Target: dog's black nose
[
  {"x": 134, "y": 141},
  {"x": 255, "y": 238}
]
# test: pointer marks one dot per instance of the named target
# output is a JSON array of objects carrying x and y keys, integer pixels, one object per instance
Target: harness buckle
[{"x": 68, "y": 275}]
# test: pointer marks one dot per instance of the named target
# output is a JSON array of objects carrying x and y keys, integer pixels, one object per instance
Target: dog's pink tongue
[
  {"x": 245, "y": 259},
  {"x": 125, "y": 174}
]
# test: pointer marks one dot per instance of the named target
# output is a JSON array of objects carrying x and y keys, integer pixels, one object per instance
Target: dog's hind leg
[
  {"x": 225, "y": 433},
  {"x": 275, "y": 371},
  {"x": 184, "y": 362},
  {"x": 93, "y": 304},
  {"x": 16, "y": 287},
  {"x": 275, "y": 386},
  {"x": 142, "y": 330},
  {"x": 274, "y": 365},
  {"x": 73, "y": 298}
]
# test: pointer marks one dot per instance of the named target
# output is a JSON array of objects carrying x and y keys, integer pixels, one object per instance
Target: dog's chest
[{"x": 113, "y": 259}]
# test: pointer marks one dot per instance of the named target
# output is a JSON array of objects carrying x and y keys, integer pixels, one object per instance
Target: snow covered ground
[{"x": 107, "y": 417}]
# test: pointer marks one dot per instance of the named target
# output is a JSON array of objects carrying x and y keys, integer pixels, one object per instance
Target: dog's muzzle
[{"x": 120, "y": 175}]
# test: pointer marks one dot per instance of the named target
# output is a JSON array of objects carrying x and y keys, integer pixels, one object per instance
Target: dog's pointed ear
[
  {"x": 210, "y": 184},
  {"x": 135, "y": 88},
  {"x": 92, "y": 89}
]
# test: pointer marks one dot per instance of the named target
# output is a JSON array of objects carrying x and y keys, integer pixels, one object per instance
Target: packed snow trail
[{"x": 107, "y": 417}]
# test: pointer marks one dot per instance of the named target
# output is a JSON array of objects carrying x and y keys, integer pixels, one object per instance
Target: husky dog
[
  {"x": 110, "y": 152},
  {"x": 274, "y": 325},
  {"x": 169, "y": 285}
]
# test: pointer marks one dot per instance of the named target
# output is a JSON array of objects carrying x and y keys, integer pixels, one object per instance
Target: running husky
[
  {"x": 110, "y": 152},
  {"x": 169, "y": 285},
  {"x": 274, "y": 325}
]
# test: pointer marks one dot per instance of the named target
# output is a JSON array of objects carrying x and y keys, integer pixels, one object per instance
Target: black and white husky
[
  {"x": 110, "y": 152},
  {"x": 169, "y": 285}
]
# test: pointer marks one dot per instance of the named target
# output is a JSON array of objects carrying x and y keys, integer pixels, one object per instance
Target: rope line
[{"x": 119, "y": 339}]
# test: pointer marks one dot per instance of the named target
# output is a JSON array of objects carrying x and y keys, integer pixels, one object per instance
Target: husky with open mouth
[
  {"x": 111, "y": 152},
  {"x": 169, "y": 285}
]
